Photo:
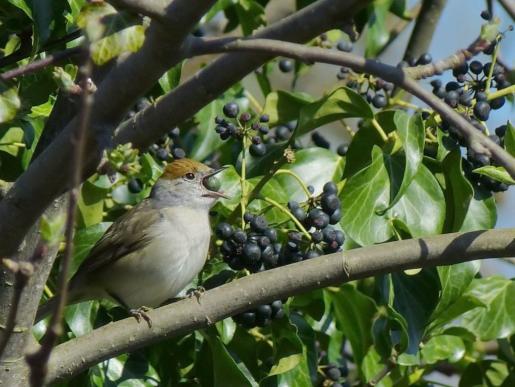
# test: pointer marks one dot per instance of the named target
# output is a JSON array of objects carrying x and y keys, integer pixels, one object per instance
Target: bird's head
[{"x": 188, "y": 182}]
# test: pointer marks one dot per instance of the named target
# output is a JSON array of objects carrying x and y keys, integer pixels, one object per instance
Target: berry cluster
[
  {"x": 332, "y": 374},
  {"x": 376, "y": 90},
  {"x": 261, "y": 316},
  {"x": 468, "y": 94},
  {"x": 243, "y": 126}
]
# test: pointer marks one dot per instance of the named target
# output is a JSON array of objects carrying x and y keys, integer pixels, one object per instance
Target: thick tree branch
[
  {"x": 203, "y": 87},
  {"x": 130, "y": 77},
  {"x": 187, "y": 315},
  {"x": 509, "y": 6},
  {"x": 425, "y": 26},
  {"x": 478, "y": 142}
]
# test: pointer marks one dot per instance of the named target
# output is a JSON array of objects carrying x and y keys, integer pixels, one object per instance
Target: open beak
[{"x": 211, "y": 193}]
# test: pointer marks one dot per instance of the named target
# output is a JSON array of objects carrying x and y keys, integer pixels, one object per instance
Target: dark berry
[
  {"x": 264, "y": 118},
  {"x": 299, "y": 213},
  {"x": 424, "y": 59},
  {"x": 344, "y": 45},
  {"x": 335, "y": 216},
  {"x": 462, "y": 69},
  {"x": 245, "y": 117},
  {"x": 285, "y": 65},
  {"x": 292, "y": 204},
  {"x": 436, "y": 83},
  {"x": 497, "y": 103},
  {"x": 291, "y": 125},
  {"x": 223, "y": 230},
  {"x": 320, "y": 140},
  {"x": 311, "y": 189},
  {"x": 276, "y": 306},
  {"x": 333, "y": 372},
  {"x": 311, "y": 254},
  {"x": 162, "y": 154},
  {"x": 257, "y": 150},
  {"x": 258, "y": 224},
  {"x": 318, "y": 218},
  {"x": 482, "y": 110},
  {"x": 256, "y": 140},
  {"x": 476, "y": 67},
  {"x": 342, "y": 149},
  {"x": 264, "y": 311},
  {"x": 451, "y": 98},
  {"x": 481, "y": 96},
  {"x": 231, "y": 109},
  {"x": 466, "y": 99},
  {"x": 282, "y": 132},
  {"x": 501, "y": 130},
  {"x": 439, "y": 92},
  {"x": 271, "y": 234},
  {"x": 452, "y": 86},
  {"x": 135, "y": 186},
  {"x": 239, "y": 236},
  {"x": 330, "y": 203},
  {"x": 269, "y": 257},
  {"x": 379, "y": 101},
  {"x": 339, "y": 237},
  {"x": 174, "y": 133},
  {"x": 486, "y": 15},
  {"x": 263, "y": 129},
  {"x": 251, "y": 253},
  {"x": 248, "y": 319},
  {"x": 330, "y": 188},
  {"x": 178, "y": 153},
  {"x": 248, "y": 217},
  {"x": 329, "y": 234}
]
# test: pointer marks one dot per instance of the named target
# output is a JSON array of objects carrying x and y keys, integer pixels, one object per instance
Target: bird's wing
[{"x": 127, "y": 234}]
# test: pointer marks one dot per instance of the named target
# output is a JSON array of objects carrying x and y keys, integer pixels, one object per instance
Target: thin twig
[
  {"x": 390, "y": 364},
  {"x": 480, "y": 143},
  {"x": 40, "y": 64},
  {"x": 38, "y": 360}
]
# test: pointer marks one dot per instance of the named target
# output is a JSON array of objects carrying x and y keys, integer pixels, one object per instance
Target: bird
[{"x": 154, "y": 250}]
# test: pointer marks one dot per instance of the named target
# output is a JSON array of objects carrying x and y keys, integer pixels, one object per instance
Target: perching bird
[{"x": 154, "y": 250}]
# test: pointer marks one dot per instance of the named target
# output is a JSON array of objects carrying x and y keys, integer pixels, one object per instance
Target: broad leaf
[
  {"x": 509, "y": 139},
  {"x": 340, "y": 103},
  {"x": 9, "y": 103},
  {"x": 496, "y": 173},
  {"x": 444, "y": 347},
  {"x": 284, "y": 106},
  {"x": 377, "y": 34}
]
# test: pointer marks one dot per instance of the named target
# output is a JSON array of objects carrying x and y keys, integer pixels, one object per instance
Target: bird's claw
[
  {"x": 197, "y": 292},
  {"x": 141, "y": 313}
]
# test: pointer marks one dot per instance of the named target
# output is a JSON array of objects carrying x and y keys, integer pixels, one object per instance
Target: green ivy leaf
[
  {"x": 509, "y": 139},
  {"x": 284, "y": 106},
  {"x": 79, "y": 318},
  {"x": 226, "y": 329},
  {"x": 129, "y": 39},
  {"x": 377, "y": 35},
  {"x": 341, "y": 103},
  {"x": 411, "y": 132},
  {"x": 372, "y": 364},
  {"x": 496, "y": 173},
  {"x": 226, "y": 371},
  {"x": 91, "y": 204},
  {"x": 444, "y": 347},
  {"x": 487, "y": 373},
  {"x": 497, "y": 318},
  {"x": 83, "y": 241},
  {"x": 251, "y": 15},
  {"x": 454, "y": 281},
  {"x": 12, "y": 140},
  {"x": 355, "y": 312},
  {"x": 171, "y": 79},
  {"x": 9, "y": 103}
]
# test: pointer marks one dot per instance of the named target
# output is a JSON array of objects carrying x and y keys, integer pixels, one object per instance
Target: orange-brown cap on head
[{"x": 178, "y": 168}]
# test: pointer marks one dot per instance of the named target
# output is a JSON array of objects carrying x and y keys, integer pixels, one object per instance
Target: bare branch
[
  {"x": 38, "y": 360},
  {"x": 478, "y": 142},
  {"x": 40, "y": 64},
  {"x": 187, "y": 315},
  {"x": 425, "y": 26},
  {"x": 509, "y": 7}
]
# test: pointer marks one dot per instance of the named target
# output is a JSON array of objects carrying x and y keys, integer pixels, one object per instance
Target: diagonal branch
[
  {"x": 188, "y": 315},
  {"x": 478, "y": 142}
]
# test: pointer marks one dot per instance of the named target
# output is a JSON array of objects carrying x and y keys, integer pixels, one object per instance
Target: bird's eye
[{"x": 189, "y": 176}]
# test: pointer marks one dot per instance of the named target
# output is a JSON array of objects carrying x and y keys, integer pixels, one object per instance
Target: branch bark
[
  {"x": 188, "y": 315},
  {"x": 480, "y": 143},
  {"x": 425, "y": 26}
]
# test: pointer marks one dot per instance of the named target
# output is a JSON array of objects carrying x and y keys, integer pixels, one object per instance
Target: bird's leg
[
  {"x": 141, "y": 313},
  {"x": 137, "y": 313}
]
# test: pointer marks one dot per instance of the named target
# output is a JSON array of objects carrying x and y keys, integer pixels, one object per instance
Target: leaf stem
[
  {"x": 287, "y": 212},
  {"x": 379, "y": 129},
  {"x": 491, "y": 69},
  {"x": 297, "y": 177},
  {"x": 501, "y": 93},
  {"x": 243, "y": 181}
]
